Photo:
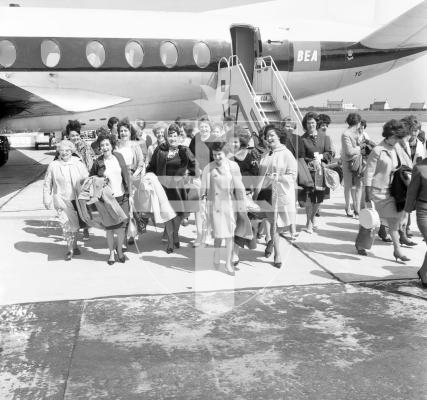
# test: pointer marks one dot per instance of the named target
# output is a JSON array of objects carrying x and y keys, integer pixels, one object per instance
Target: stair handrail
[
  {"x": 221, "y": 60},
  {"x": 235, "y": 62},
  {"x": 282, "y": 84}
]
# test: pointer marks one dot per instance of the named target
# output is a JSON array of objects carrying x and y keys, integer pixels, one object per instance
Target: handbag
[
  {"x": 399, "y": 184},
  {"x": 365, "y": 238},
  {"x": 304, "y": 178}
]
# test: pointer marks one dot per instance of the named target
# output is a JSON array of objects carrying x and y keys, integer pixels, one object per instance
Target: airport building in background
[
  {"x": 340, "y": 105},
  {"x": 379, "y": 106},
  {"x": 418, "y": 106}
]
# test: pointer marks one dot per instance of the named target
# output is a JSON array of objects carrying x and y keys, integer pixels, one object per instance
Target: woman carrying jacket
[
  {"x": 276, "y": 187},
  {"x": 134, "y": 159},
  {"x": 383, "y": 161},
  {"x": 112, "y": 165},
  {"x": 173, "y": 164}
]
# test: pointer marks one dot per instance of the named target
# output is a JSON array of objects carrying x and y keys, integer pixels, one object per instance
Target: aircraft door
[{"x": 246, "y": 44}]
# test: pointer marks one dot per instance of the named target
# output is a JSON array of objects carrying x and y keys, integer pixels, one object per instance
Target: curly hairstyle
[
  {"x": 394, "y": 128},
  {"x": 174, "y": 128},
  {"x": 353, "y": 119},
  {"x": 111, "y": 122},
  {"x": 73, "y": 125},
  {"x": 106, "y": 136},
  {"x": 66, "y": 144},
  {"x": 307, "y": 116},
  {"x": 411, "y": 123},
  {"x": 279, "y": 132},
  {"x": 324, "y": 119}
]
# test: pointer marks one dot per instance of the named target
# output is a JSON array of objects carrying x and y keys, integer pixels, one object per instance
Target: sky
[{"x": 329, "y": 19}]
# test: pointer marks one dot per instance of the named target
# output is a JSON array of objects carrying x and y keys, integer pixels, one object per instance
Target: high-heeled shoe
[
  {"x": 406, "y": 242},
  {"x": 230, "y": 271},
  {"x": 69, "y": 255},
  {"x": 349, "y": 213},
  {"x": 403, "y": 239},
  {"x": 269, "y": 249},
  {"x": 400, "y": 257},
  {"x": 122, "y": 259},
  {"x": 361, "y": 252},
  {"x": 423, "y": 284},
  {"x": 277, "y": 264}
]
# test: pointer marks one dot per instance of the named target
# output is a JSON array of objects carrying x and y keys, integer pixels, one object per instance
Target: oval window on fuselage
[
  {"x": 7, "y": 53},
  {"x": 95, "y": 54},
  {"x": 50, "y": 53},
  {"x": 134, "y": 54},
  {"x": 201, "y": 54},
  {"x": 168, "y": 54}
]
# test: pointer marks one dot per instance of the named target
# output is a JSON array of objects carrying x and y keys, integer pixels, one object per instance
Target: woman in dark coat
[
  {"x": 318, "y": 151},
  {"x": 173, "y": 164}
]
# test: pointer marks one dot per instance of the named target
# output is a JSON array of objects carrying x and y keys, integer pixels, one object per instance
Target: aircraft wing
[
  {"x": 35, "y": 100},
  {"x": 407, "y": 30}
]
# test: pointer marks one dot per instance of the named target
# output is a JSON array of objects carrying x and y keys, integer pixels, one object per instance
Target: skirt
[
  {"x": 124, "y": 204},
  {"x": 385, "y": 205}
]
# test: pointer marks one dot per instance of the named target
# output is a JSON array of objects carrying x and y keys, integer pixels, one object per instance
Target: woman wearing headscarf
[{"x": 60, "y": 190}]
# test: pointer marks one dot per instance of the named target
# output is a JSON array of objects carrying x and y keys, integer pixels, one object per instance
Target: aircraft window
[
  {"x": 168, "y": 54},
  {"x": 95, "y": 54},
  {"x": 7, "y": 53},
  {"x": 50, "y": 53},
  {"x": 201, "y": 54},
  {"x": 134, "y": 54}
]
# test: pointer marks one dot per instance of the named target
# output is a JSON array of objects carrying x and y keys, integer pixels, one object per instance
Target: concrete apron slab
[
  {"x": 33, "y": 268},
  {"x": 317, "y": 342},
  {"x": 332, "y": 246}
]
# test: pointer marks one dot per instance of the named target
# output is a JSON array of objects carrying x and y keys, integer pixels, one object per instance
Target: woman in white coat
[
  {"x": 223, "y": 189},
  {"x": 60, "y": 190},
  {"x": 276, "y": 188}
]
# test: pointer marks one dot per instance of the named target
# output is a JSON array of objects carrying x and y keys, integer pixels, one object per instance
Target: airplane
[{"x": 87, "y": 64}]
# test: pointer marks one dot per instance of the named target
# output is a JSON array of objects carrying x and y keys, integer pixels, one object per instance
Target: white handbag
[{"x": 369, "y": 218}]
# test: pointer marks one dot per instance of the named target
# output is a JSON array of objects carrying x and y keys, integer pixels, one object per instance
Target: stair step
[
  {"x": 264, "y": 98},
  {"x": 269, "y": 107},
  {"x": 273, "y": 116}
]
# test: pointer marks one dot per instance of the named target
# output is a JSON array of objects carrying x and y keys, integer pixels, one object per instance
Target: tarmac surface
[{"x": 329, "y": 325}]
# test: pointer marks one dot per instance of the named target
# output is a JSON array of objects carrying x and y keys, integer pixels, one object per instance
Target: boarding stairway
[{"x": 265, "y": 100}]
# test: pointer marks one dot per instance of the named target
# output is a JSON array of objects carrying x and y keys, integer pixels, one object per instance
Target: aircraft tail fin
[{"x": 406, "y": 31}]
